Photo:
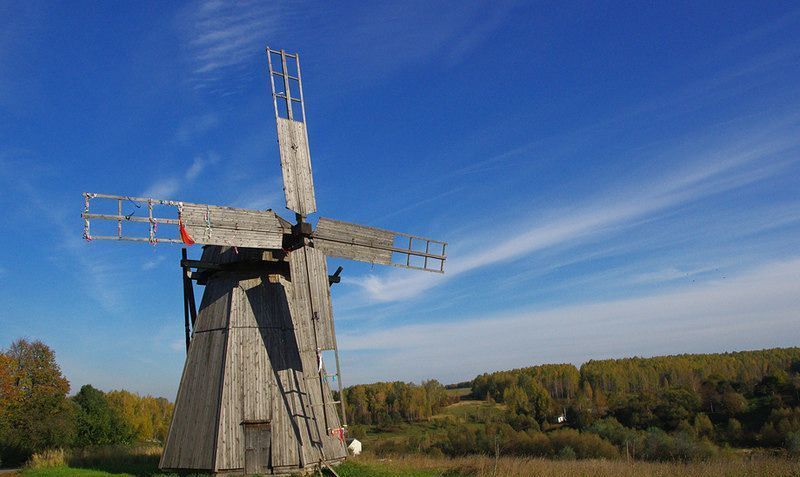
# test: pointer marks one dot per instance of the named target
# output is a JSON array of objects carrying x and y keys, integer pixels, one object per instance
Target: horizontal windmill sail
[
  {"x": 373, "y": 245},
  {"x": 189, "y": 223}
]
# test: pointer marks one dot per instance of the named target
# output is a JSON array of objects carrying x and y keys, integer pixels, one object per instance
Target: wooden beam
[
  {"x": 286, "y": 90},
  {"x": 187, "y": 283}
]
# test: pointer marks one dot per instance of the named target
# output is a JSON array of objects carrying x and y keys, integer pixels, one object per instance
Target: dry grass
[
  {"x": 135, "y": 460},
  {"x": 48, "y": 459},
  {"x": 482, "y": 466},
  {"x": 143, "y": 461}
]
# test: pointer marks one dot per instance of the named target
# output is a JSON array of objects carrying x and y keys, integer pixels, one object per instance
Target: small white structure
[{"x": 354, "y": 445}]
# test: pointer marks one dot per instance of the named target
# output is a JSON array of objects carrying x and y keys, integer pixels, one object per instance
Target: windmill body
[{"x": 255, "y": 395}]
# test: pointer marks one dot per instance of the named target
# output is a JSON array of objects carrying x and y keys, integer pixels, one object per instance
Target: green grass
[
  {"x": 353, "y": 468},
  {"x": 70, "y": 472},
  {"x": 459, "y": 392}
]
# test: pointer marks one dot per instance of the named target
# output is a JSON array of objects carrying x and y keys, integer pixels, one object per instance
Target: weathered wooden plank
[
  {"x": 234, "y": 238},
  {"x": 322, "y": 313},
  {"x": 354, "y": 252},
  {"x": 311, "y": 292},
  {"x": 214, "y": 306},
  {"x": 373, "y": 245},
  {"x": 257, "y": 225},
  {"x": 298, "y": 182},
  {"x": 216, "y": 225},
  {"x": 192, "y": 438},
  {"x": 352, "y": 241},
  {"x": 229, "y": 216},
  {"x": 249, "y": 383},
  {"x": 353, "y": 233}
]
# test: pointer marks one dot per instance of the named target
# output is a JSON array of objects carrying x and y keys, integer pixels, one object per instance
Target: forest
[
  {"x": 684, "y": 407},
  {"x": 663, "y": 408},
  {"x": 37, "y": 414}
]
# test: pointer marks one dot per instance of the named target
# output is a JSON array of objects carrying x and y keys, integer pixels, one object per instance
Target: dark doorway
[{"x": 257, "y": 447}]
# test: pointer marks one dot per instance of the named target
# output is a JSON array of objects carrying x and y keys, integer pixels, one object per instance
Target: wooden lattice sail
[{"x": 255, "y": 395}]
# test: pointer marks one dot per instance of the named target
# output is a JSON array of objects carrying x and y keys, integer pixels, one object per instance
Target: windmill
[{"x": 255, "y": 395}]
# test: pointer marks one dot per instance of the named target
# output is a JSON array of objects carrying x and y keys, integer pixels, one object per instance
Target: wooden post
[
  {"x": 300, "y": 87},
  {"x": 287, "y": 92},
  {"x": 272, "y": 82},
  {"x": 187, "y": 291}
]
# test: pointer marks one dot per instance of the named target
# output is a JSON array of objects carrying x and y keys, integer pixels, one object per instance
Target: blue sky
[{"x": 614, "y": 179}]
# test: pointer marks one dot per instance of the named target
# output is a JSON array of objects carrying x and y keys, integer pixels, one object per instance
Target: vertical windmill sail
[
  {"x": 290, "y": 114},
  {"x": 308, "y": 271}
]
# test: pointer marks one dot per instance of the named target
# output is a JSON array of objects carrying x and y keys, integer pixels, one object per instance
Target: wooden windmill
[{"x": 255, "y": 396}]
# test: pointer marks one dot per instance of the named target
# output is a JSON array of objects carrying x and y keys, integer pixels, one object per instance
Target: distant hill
[{"x": 689, "y": 406}]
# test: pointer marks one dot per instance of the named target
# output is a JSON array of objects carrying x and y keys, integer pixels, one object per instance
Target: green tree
[
  {"x": 539, "y": 400},
  {"x": 36, "y": 412},
  {"x": 703, "y": 426},
  {"x": 516, "y": 400},
  {"x": 734, "y": 403},
  {"x": 733, "y": 431},
  {"x": 97, "y": 422},
  {"x": 147, "y": 417}
]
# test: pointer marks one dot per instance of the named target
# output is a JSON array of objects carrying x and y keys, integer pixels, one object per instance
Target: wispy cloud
[
  {"x": 178, "y": 345},
  {"x": 757, "y": 155},
  {"x": 167, "y": 187},
  {"x": 196, "y": 126},
  {"x": 224, "y": 37},
  {"x": 166, "y": 337},
  {"x": 225, "y": 41},
  {"x": 163, "y": 188},
  {"x": 153, "y": 262},
  {"x": 747, "y": 310},
  {"x": 98, "y": 277},
  {"x": 418, "y": 31},
  {"x": 268, "y": 195},
  {"x": 669, "y": 274}
]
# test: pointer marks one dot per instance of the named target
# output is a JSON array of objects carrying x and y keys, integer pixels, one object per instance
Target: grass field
[
  {"x": 467, "y": 412},
  {"x": 459, "y": 392},
  {"x": 143, "y": 462},
  {"x": 352, "y": 468},
  {"x": 479, "y": 466}
]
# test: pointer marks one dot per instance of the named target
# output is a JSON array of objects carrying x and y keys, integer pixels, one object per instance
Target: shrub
[
  {"x": 793, "y": 443},
  {"x": 584, "y": 445},
  {"x": 566, "y": 453}
]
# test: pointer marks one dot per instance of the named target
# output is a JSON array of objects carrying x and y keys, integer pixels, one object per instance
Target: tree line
[
  {"x": 670, "y": 407},
  {"x": 36, "y": 413},
  {"x": 683, "y": 403},
  {"x": 388, "y": 403}
]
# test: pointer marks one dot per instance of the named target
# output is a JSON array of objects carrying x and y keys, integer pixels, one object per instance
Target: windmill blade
[
  {"x": 369, "y": 244},
  {"x": 215, "y": 225},
  {"x": 202, "y": 223},
  {"x": 312, "y": 294},
  {"x": 290, "y": 114}
]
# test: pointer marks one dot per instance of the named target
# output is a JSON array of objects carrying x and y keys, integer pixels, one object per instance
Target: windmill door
[{"x": 257, "y": 447}]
